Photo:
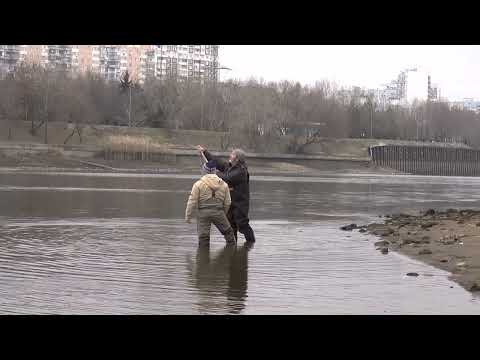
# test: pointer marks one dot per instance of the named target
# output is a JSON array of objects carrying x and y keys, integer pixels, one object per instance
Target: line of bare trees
[{"x": 258, "y": 112}]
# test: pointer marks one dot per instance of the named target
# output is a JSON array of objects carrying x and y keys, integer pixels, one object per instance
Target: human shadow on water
[{"x": 221, "y": 278}]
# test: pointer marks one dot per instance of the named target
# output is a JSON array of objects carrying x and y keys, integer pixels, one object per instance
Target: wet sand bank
[
  {"x": 447, "y": 239},
  {"x": 183, "y": 165}
]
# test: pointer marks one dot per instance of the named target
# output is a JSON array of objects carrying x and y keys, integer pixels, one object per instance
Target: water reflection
[
  {"x": 221, "y": 278},
  {"x": 80, "y": 244}
]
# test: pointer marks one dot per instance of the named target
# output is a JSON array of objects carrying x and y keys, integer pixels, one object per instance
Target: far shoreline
[{"x": 181, "y": 164}]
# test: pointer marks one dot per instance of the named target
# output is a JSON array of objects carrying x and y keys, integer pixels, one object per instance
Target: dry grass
[
  {"x": 128, "y": 143},
  {"x": 134, "y": 148}
]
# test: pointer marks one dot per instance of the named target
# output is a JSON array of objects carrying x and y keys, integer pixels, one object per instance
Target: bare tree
[{"x": 260, "y": 116}]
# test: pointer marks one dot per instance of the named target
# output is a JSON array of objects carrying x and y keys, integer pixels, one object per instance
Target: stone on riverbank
[
  {"x": 428, "y": 224},
  {"x": 406, "y": 241},
  {"x": 425, "y": 252},
  {"x": 349, "y": 227},
  {"x": 381, "y": 243},
  {"x": 383, "y": 231},
  {"x": 475, "y": 287},
  {"x": 446, "y": 239}
]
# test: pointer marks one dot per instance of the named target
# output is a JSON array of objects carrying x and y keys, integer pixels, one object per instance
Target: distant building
[
  {"x": 471, "y": 105},
  {"x": 11, "y": 56},
  {"x": 433, "y": 92},
  {"x": 379, "y": 97},
  {"x": 60, "y": 57},
  {"x": 109, "y": 61},
  {"x": 54, "y": 57},
  {"x": 468, "y": 104},
  {"x": 198, "y": 62}
]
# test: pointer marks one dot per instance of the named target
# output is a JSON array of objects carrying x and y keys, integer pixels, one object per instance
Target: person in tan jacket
[{"x": 211, "y": 197}]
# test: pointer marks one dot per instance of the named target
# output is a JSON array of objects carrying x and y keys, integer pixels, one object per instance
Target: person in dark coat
[{"x": 235, "y": 173}]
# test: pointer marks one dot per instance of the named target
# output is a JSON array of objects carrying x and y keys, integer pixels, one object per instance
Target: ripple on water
[
  {"x": 152, "y": 266},
  {"x": 107, "y": 252}
]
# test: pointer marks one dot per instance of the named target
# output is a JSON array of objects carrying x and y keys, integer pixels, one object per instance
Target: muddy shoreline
[
  {"x": 260, "y": 167},
  {"x": 447, "y": 239}
]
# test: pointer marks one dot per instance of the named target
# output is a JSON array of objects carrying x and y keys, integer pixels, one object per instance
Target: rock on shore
[{"x": 448, "y": 239}]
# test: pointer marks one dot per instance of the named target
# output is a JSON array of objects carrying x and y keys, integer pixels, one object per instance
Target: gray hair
[{"x": 240, "y": 155}]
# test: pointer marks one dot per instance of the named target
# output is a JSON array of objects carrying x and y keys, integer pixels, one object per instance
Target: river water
[{"x": 117, "y": 244}]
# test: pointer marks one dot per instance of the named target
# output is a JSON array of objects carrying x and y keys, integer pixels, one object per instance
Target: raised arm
[{"x": 222, "y": 164}]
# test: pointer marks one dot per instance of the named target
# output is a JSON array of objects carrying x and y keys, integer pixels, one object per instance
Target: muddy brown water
[{"x": 117, "y": 244}]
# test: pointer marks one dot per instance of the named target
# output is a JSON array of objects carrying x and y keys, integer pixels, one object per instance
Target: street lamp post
[
  {"x": 130, "y": 107},
  {"x": 46, "y": 110},
  {"x": 370, "y": 103},
  {"x": 371, "y": 120},
  {"x": 216, "y": 100},
  {"x": 203, "y": 96},
  {"x": 221, "y": 68}
]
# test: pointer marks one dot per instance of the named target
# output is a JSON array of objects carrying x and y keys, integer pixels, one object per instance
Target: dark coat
[{"x": 238, "y": 179}]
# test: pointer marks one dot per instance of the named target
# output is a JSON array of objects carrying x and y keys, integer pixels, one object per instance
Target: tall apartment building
[
  {"x": 110, "y": 61},
  {"x": 182, "y": 61},
  {"x": 199, "y": 62},
  {"x": 136, "y": 59},
  {"x": 54, "y": 57},
  {"x": 85, "y": 53},
  {"x": 11, "y": 56},
  {"x": 466, "y": 104},
  {"x": 61, "y": 57},
  {"x": 34, "y": 54}
]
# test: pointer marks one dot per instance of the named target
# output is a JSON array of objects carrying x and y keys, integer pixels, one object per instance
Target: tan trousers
[{"x": 216, "y": 216}]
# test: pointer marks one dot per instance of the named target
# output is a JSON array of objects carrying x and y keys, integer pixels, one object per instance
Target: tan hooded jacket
[{"x": 202, "y": 191}]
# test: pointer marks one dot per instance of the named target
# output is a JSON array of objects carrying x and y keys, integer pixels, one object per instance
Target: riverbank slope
[{"x": 447, "y": 239}]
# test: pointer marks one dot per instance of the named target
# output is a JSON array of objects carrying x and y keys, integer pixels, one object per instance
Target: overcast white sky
[{"x": 455, "y": 68}]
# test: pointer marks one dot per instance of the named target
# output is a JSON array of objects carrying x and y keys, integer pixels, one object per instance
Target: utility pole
[
  {"x": 415, "y": 118},
  {"x": 370, "y": 103},
  {"x": 46, "y": 110},
  {"x": 130, "y": 107},
  {"x": 202, "y": 84},
  {"x": 371, "y": 119},
  {"x": 215, "y": 81}
]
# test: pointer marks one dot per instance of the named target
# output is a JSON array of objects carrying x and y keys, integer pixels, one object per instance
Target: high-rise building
[
  {"x": 54, "y": 57},
  {"x": 61, "y": 57},
  {"x": 110, "y": 61},
  {"x": 34, "y": 54},
  {"x": 432, "y": 91},
  {"x": 135, "y": 59},
  {"x": 199, "y": 62},
  {"x": 85, "y": 56},
  {"x": 11, "y": 56}
]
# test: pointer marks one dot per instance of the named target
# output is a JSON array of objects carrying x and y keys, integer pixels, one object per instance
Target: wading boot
[{"x": 249, "y": 235}]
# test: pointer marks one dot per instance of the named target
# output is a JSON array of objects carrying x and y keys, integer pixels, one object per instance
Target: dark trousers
[{"x": 240, "y": 223}]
